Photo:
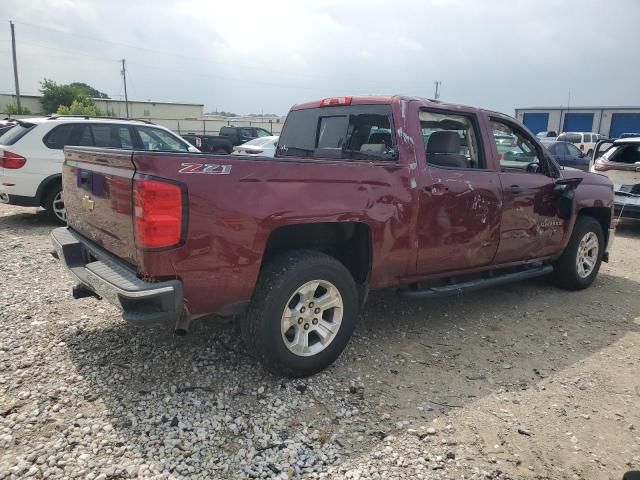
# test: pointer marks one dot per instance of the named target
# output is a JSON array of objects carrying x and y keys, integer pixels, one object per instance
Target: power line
[
  {"x": 70, "y": 52},
  {"x": 161, "y": 52}
]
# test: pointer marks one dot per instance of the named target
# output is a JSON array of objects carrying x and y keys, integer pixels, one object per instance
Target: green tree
[
  {"x": 54, "y": 95},
  {"x": 81, "y": 106},
  {"x": 12, "y": 109},
  {"x": 87, "y": 90}
]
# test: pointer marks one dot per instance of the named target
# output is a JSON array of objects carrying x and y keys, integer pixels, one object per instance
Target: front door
[
  {"x": 530, "y": 227},
  {"x": 458, "y": 225}
]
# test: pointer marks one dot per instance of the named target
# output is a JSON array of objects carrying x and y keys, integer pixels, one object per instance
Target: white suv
[
  {"x": 585, "y": 141},
  {"x": 31, "y": 154}
]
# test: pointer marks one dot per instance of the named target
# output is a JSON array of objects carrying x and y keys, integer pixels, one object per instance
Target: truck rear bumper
[{"x": 141, "y": 302}]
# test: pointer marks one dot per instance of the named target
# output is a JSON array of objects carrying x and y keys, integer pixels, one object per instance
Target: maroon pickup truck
[{"x": 364, "y": 193}]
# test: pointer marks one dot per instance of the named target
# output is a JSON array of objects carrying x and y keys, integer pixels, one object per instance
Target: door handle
[
  {"x": 514, "y": 189},
  {"x": 436, "y": 189}
]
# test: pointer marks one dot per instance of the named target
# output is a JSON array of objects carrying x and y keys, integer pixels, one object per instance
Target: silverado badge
[{"x": 87, "y": 203}]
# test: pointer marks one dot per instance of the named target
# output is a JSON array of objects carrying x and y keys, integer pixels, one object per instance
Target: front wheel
[
  {"x": 302, "y": 313},
  {"x": 579, "y": 264},
  {"x": 54, "y": 205}
]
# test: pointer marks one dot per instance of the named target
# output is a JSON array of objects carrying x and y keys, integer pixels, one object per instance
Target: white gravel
[{"x": 83, "y": 395}]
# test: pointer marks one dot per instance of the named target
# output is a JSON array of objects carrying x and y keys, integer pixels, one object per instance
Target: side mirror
[{"x": 565, "y": 189}]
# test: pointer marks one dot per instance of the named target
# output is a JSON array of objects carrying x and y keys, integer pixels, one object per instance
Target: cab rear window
[{"x": 360, "y": 132}]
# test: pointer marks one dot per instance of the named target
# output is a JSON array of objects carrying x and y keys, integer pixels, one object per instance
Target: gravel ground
[{"x": 520, "y": 381}]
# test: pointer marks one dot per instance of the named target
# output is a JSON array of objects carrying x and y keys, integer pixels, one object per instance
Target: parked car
[
  {"x": 568, "y": 155},
  {"x": 263, "y": 147},
  {"x": 586, "y": 142},
  {"x": 551, "y": 134},
  {"x": 620, "y": 161},
  {"x": 209, "y": 143},
  {"x": 31, "y": 154},
  {"x": 240, "y": 135},
  {"x": 629, "y": 135},
  {"x": 353, "y": 200}
]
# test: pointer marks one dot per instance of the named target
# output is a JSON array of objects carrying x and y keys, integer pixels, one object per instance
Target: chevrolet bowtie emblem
[{"x": 87, "y": 203}]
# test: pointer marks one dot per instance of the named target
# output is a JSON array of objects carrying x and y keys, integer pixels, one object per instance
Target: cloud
[{"x": 250, "y": 56}]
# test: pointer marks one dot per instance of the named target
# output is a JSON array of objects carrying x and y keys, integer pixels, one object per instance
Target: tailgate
[{"x": 97, "y": 185}]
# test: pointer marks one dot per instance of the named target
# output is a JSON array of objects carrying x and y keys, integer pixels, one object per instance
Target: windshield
[{"x": 16, "y": 133}]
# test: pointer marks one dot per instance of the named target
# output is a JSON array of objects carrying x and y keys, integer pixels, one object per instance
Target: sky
[{"x": 264, "y": 56}]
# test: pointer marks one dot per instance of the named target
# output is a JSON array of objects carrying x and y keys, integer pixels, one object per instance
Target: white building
[
  {"x": 608, "y": 121},
  {"x": 179, "y": 117}
]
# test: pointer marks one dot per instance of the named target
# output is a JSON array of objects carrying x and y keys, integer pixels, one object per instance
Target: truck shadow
[{"x": 435, "y": 354}]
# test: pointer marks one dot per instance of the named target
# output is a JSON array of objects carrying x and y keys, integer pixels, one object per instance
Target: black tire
[
  {"x": 48, "y": 204},
  {"x": 278, "y": 282},
  {"x": 565, "y": 273}
]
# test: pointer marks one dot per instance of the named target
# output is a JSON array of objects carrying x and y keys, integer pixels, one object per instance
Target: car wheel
[
  {"x": 579, "y": 264},
  {"x": 302, "y": 314},
  {"x": 54, "y": 205}
]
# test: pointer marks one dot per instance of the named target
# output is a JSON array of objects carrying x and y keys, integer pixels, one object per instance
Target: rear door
[
  {"x": 458, "y": 222},
  {"x": 530, "y": 226}
]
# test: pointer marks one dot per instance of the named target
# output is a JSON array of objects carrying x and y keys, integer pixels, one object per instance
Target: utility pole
[
  {"x": 124, "y": 77},
  {"x": 15, "y": 65},
  {"x": 437, "y": 94}
]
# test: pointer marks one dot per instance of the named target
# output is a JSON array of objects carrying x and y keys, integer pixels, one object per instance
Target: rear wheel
[
  {"x": 580, "y": 262},
  {"x": 54, "y": 205},
  {"x": 302, "y": 314}
]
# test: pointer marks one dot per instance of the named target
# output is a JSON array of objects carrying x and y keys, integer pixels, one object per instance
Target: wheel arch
[
  {"x": 45, "y": 186},
  {"x": 602, "y": 215},
  {"x": 348, "y": 242}
]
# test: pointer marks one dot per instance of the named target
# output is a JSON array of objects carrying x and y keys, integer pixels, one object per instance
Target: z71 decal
[{"x": 207, "y": 168}]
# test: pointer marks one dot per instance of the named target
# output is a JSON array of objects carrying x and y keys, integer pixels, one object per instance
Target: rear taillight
[
  {"x": 158, "y": 212},
  {"x": 11, "y": 160}
]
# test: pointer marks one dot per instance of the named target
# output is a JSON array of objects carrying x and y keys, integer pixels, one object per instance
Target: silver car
[{"x": 620, "y": 161}]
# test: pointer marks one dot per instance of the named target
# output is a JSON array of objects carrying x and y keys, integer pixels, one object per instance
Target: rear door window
[
  {"x": 58, "y": 137},
  {"x": 450, "y": 140},
  {"x": 105, "y": 136},
  {"x": 359, "y": 132}
]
